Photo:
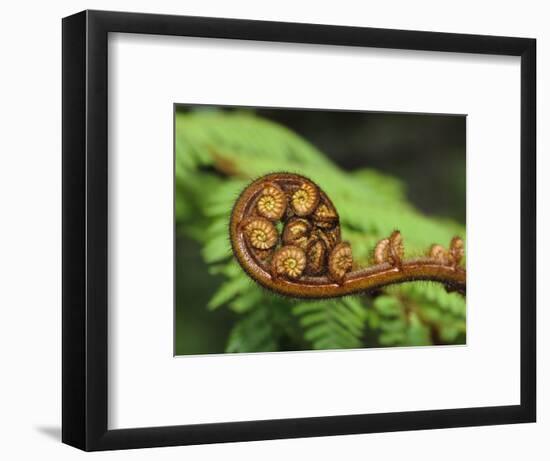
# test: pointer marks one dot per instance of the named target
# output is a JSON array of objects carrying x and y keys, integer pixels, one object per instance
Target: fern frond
[
  {"x": 219, "y": 152},
  {"x": 253, "y": 333},
  {"x": 332, "y": 324}
]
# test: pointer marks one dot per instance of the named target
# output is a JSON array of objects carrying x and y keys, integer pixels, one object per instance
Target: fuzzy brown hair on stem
[{"x": 308, "y": 259}]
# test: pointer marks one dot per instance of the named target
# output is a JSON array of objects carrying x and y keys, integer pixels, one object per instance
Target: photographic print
[
  {"x": 324, "y": 241},
  {"x": 302, "y": 230}
]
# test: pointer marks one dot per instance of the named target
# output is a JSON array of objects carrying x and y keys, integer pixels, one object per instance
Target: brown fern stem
[{"x": 309, "y": 260}]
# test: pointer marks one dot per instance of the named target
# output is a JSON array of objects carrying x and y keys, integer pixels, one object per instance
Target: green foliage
[
  {"x": 332, "y": 324},
  {"x": 218, "y": 153}
]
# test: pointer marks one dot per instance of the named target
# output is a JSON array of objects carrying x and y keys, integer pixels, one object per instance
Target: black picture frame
[{"x": 85, "y": 224}]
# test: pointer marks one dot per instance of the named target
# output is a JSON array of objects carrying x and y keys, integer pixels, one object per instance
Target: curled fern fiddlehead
[{"x": 308, "y": 259}]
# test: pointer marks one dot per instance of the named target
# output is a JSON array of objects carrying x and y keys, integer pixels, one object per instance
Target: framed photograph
[{"x": 277, "y": 230}]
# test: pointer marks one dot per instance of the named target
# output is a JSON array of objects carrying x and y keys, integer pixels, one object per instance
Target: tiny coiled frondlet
[{"x": 307, "y": 258}]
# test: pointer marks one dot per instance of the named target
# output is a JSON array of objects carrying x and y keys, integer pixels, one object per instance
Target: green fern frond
[
  {"x": 332, "y": 324},
  {"x": 253, "y": 333}
]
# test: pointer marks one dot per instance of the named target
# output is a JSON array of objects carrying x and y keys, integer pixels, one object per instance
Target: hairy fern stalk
[{"x": 218, "y": 153}]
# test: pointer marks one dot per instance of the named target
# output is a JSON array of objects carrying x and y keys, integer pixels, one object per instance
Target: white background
[
  {"x": 30, "y": 245},
  {"x": 147, "y": 74}
]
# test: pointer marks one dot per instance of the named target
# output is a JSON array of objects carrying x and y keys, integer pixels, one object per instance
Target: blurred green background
[{"x": 383, "y": 171}]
